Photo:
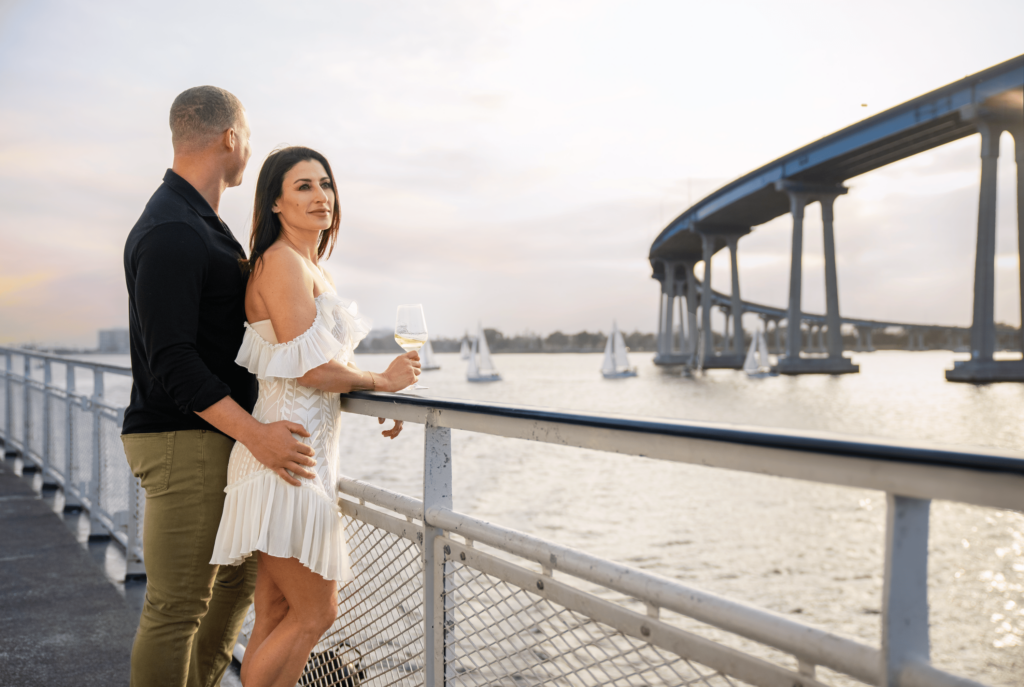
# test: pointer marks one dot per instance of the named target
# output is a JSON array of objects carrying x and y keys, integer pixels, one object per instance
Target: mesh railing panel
[
  {"x": 81, "y": 448},
  {"x": 36, "y": 430},
  {"x": 115, "y": 477},
  {"x": 504, "y": 635},
  {"x": 377, "y": 640},
  {"x": 17, "y": 412},
  {"x": 3, "y": 400},
  {"x": 58, "y": 435}
]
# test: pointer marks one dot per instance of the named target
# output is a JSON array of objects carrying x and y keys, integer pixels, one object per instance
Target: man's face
[{"x": 243, "y": 149}]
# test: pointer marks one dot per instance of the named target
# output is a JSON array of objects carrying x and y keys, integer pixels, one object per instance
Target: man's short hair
[{"x": 200, "y": 114}]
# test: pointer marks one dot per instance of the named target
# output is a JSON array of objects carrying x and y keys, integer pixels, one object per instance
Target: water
[{"x": 812, "y": 551}]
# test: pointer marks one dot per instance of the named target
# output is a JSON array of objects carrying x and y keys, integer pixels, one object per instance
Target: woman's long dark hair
[{"x": 266, "y": 225}]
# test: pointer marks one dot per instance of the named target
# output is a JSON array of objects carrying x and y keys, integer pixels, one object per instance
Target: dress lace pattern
[{"x": 262, "y": 512}]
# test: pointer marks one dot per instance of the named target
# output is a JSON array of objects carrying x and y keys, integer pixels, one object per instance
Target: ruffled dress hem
[{"x": 264, "y": 513}]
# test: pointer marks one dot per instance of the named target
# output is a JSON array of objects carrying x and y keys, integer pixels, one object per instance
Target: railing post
[
  {"x": 26, "y": 409},
  {"x": 96, "y": 528},
  {"x": 905, "y": 594},
  {"x": 72, "y": 491},
  {"x": 47, "y": 425},
  {"x": 8, "y": 411},
  {"x": 437, "y": 493}
]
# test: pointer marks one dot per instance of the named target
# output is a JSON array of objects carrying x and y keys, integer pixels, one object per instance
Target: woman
[{"x": 298, "y": 341}]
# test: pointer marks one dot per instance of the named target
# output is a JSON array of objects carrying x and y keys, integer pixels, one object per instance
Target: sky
[{"x": 500, "y": 162}]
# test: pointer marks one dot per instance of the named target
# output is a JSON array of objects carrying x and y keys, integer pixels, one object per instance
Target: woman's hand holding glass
[{"x": 401, "y": 373}]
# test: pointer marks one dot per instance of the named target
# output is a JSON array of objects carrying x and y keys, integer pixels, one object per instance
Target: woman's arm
[
  {"x": 340, "y": 379},
  {"x": 285, "y": 288}
]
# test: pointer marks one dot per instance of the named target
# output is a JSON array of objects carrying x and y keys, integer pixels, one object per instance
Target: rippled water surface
[{"x": 809, "y": 550}]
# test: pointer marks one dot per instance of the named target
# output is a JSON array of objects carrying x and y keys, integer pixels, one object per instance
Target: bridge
[{"x": 987, "y": 103}]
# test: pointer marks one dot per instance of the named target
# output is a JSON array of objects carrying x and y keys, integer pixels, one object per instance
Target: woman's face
[{"x": 307, "y": 198}]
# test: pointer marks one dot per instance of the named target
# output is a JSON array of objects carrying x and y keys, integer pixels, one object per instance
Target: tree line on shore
[{"x": 383, "y": 341}]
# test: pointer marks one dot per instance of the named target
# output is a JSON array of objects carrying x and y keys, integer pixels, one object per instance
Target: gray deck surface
[
  {"x": 61, "y": 620},
  {"x": 65, "y": 616}
]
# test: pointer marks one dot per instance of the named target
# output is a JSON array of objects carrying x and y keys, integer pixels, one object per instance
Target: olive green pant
[{"x": 193, "y": 610}]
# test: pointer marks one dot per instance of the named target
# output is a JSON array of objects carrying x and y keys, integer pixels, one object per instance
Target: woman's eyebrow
[{"x": 297, "y": 181}]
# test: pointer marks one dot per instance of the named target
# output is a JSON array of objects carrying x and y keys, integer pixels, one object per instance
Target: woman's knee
[{"x": 321, "y": 617}]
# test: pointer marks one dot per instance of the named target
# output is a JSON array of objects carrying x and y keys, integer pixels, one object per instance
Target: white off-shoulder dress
[{"x": 262, "y": 512}]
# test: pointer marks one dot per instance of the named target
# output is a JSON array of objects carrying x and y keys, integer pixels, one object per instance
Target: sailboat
[
  {"x": 484, "y": 370},
  {"x": 465, "y": 351},
  {"x": 616, "y": 362},
  {"x": 427, "y": 359},
  {"x": 757, "y": 363}
]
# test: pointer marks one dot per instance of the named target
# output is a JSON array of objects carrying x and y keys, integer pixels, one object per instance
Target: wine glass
[{"x": 411, "y": 332}]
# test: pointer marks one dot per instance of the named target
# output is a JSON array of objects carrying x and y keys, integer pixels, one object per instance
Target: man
[{"x": 190, "y": 401}]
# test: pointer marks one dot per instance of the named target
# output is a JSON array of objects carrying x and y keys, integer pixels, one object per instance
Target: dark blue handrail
[{"x": 972, "y": 458}]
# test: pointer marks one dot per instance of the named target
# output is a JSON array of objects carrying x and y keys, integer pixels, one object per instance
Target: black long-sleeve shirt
[{"x": 186, "y": 312}]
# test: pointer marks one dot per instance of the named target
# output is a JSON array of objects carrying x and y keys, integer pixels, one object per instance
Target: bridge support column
[
  {"x": 661, "y": 319},
  {"x": 797, "y": 203},
  {"x": 691, "y": 313},
  {"x": 860, "y": 344},
  {"x": 737, "y": 302},
  {"x": 670, "y": 324},
  {"x": 726, "y": 329},
  {"x": 705, "y": 298},
  {"x": 832, "y": 319},
  {"x": 662, "y": 305},
  {"x": 670, "y": 290},
  {"x": 778, "y": 338},
  {"x": 801, "y": 195},
  {"x": 982, "y": 368},
  {"x": 871, "y": 344}
]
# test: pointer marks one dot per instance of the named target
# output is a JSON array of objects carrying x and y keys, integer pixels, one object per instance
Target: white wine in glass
[{"x": 411, "y": 332}]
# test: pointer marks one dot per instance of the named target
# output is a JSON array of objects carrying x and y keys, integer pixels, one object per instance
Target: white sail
[
  {"x": 762, "y": 351},
  {"x": 486, "y": 364},
  {"x": 427, "y": 360},
  {"x": 750, "y": 365},
  {"x": 481, "y": 367},
  {"x": 472, "y": 371},
  {"x": 608, "y": 366},
  {"x": 621, "y": 359},
  {"x": 465, "y": 351}
]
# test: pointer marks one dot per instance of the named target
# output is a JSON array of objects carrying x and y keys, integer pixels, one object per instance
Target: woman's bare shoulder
[{"x": 282, "y": 272}]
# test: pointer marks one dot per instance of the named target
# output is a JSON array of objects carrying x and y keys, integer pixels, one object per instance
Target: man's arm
[
  {"x": 271, "y": 444},
  {"x": 170, "y": 271}
]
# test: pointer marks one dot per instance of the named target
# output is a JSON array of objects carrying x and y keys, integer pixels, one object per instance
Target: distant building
[{"x": 113, "y": 341}]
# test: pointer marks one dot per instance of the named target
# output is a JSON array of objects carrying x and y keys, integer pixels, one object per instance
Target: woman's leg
[
  {"x": 312, "y": 606},
  {"x": 271, "y": 607}
]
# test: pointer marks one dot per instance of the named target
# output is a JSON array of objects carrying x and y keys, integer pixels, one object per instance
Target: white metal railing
[
  {"x": 440, "y": 597},
  {"x": 74, "y": 440},
  {"x": 500, "y": 603}
]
